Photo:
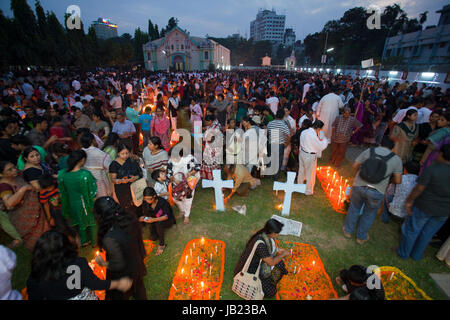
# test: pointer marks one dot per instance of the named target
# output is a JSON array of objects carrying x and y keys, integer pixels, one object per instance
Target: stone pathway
[{"x": 443, "y": 281}]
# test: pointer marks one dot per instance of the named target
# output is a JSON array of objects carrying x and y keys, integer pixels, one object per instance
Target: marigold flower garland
[
  {"x": 307, "y": 278},
  {"x": 398, "y": 286},
  {"x": 199, "y": 275}
]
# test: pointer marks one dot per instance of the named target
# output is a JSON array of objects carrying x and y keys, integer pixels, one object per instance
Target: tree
[
  {"x": 423, "y": 17},
  {"x": 140, "y": 38}
]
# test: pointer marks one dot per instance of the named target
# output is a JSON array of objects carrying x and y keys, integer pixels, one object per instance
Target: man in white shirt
[
  {"x": 328, "y": 110},
  {"x": 310, "y": 146},
  {"x": 116, "y": 101},
  {"x": 306, "y": 88},
  {"x": 273, "y": 102}
]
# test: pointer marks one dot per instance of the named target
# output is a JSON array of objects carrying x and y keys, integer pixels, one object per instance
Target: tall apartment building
[
  {"x": 268, "y": 26},
  {"x": 105, "y": 29}
]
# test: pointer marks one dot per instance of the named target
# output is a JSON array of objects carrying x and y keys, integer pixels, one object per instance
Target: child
[
  {"x": 396, "y": 194},
  {"x": 145, "y": 121},
  {"x": 355, "y": 282},
  {"x": 50, "y": 200},
  {"x": 161, "y": 185}
]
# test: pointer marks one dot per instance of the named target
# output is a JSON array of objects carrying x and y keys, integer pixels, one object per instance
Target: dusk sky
[{"x": 220, "y": 18}]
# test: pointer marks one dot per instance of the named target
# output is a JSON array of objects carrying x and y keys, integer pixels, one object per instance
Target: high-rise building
[
  {"x": 289, "y": 37},
  {"x": 268, "y": 26},
  {"x": 105, "y": 29}
]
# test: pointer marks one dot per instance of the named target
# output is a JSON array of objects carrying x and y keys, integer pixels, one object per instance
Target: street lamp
[{"x": 331, "y": 49}]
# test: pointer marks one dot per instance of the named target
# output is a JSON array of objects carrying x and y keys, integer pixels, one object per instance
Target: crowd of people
[{"x": 77, "y": 148}]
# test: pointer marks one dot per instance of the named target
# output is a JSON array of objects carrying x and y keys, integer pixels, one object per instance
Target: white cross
[
  {"x": 288, "y": 187},
  {"x": 217, "y": 183}
]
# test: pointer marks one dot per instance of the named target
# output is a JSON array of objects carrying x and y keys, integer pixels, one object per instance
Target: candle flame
[
  {"x": 279, "y": 207},
  {"x": 202, "y": 284},
  {"x": 97, "y": 253},
  {"x": 182, "y": 270}
]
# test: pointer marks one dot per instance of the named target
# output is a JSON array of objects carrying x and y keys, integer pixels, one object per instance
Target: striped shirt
[{"x": 278, "y": 131}]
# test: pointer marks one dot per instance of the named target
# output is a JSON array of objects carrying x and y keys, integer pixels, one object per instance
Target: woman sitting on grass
[
  {"x": 272, "y": 264},
  {"x": 158, "y": 213}
]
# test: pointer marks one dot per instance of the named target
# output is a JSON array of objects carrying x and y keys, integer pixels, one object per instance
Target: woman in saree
[
  {"x": 366, "y": 111},
  {"x": 155, "y": 157},
  {"x": 160, "y": 127},
  {"x": 78, "y": 189},
  {"x": 124, "y": 170},
  {"x": 21, "y": 202},
  {"x": 271, "y": 258},
  {"x": 436, "y": 141},
  {"x": 34, "y": 167},
  {"x": 404, "y": 135},
  {"x": 110, "y": 146}
]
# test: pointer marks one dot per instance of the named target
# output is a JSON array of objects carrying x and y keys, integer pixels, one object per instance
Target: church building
[{"x": 179, "y": 51}]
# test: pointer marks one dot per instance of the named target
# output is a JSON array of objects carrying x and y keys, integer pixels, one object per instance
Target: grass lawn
[{"x": 322, "y": 227}]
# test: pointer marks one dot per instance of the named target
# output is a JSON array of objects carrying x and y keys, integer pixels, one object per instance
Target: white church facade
[{"x": 180, "y": 51}]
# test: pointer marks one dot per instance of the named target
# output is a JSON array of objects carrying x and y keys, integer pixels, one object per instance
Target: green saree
[{"x": 77, "y": 192}]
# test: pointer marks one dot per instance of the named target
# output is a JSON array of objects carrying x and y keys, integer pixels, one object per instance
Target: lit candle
[
  {"x": 331, "y": 191},
  {"x": 194, "y": 245},
  {"x": 174, "y": 287},
  {"x": 210, "y": 257},
  {"x": 198, "y": 260},
  {"x": 210, "y": 270},
  {"x": 328, "y": 185},
  {"x": 97, "y": 253},
  {"x": 216, "y": 249},
  {"x": 203, "y": 240},
  {"x": 191, "y": 252},
  {"x": 209, "y": 295},
  {"x": 185, "y": 260},
  {"x": 182, "y": 271},
  {"x": 391, "y": 275},
  {"x": 295, "y": 269},
  {"x": 339, "y": 201},
  {"x": 291, "y": 252},
  {"x": 314, "y": 262}
]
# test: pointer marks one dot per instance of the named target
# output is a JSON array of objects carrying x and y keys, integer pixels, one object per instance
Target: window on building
[
  {"x": 182, "y": 47},
  {"x": 172, "y": 47},
  {"x": 206, "y": 55},
  {"x": 442, "y": 44}
]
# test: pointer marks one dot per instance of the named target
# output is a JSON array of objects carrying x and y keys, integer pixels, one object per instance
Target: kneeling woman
[
  {"x": 271, "y": 258},
  {"x": 158, "y": 213}
]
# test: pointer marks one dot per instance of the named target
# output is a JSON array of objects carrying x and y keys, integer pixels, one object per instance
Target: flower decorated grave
[
  {"x": 307, "y": 278},
  {"x": 398, "y": 286},
  {"x": 199, "y": 275}
]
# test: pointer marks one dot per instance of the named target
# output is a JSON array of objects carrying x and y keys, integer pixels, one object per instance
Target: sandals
[
  {"x": 186, "y": 220},
  {"x": 160, "y": 250}
]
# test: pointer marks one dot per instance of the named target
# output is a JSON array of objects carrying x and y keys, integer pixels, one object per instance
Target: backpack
[{"x": 373, "y": 170}]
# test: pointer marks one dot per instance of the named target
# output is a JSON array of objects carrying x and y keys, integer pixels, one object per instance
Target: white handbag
[{"x": 246, "y": 285}]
